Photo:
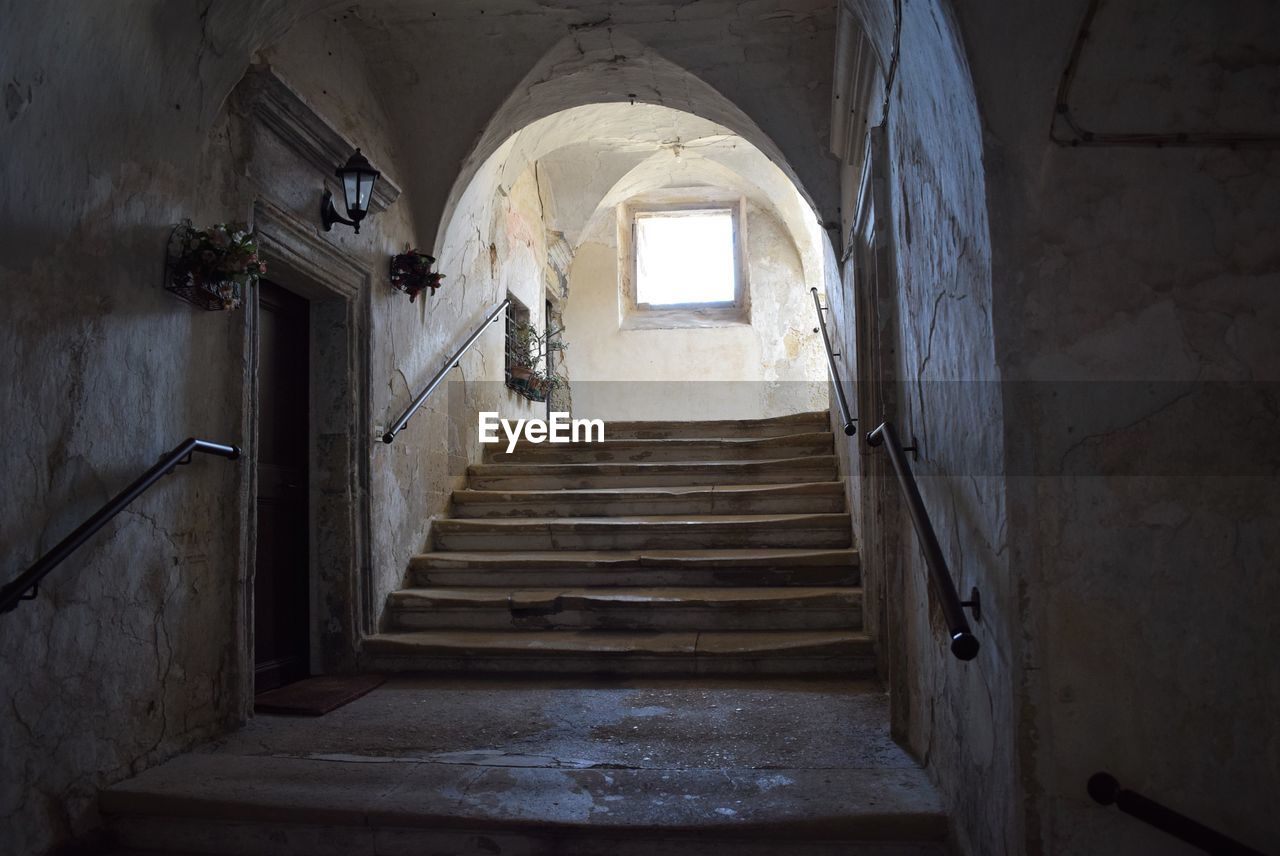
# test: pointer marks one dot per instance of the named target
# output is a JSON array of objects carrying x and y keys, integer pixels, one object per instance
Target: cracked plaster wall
[
  {"x": 940, "y": 370},
  {"x": 495, "y": 245},
  {"x": 137, "y": 646},
  {"x": 1110, "y": 479},
  {"x": 129, "y": 654},
  {"x": 1135, "y": 320}
]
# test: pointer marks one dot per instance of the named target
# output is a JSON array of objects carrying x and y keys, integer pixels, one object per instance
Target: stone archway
[
  {"x": 567, "y": 176},
  {"x": 600, "y": 67}
]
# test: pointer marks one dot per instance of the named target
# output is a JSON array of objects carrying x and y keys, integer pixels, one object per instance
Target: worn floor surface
[
  {"x": 639, "y": 724},
  {"x": 713, "y": 755}
]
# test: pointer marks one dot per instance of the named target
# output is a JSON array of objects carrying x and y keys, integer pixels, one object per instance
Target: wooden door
[{"x": 282, "y": 612}]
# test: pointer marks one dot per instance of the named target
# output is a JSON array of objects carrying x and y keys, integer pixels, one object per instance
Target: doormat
[{"x": 316, "y": 696}]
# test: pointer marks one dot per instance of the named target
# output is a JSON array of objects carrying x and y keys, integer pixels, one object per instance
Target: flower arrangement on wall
[
  {"x": 212, "y": 267},
  {"x": 411, "y": 273}
]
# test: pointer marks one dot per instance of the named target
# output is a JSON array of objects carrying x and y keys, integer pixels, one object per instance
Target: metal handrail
[
  {"x": 850, "y": 423},
  {"x": 963, "y": 643},
  {"x": 25, "y": 587},
  {"x": 1105, "y": 790},
  {"x": 449, "y": 365}
]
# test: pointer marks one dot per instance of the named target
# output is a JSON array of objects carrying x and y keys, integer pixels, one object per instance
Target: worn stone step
[
  {"x": 623, "y": 652},
  {"x": 755, "y": 567},
  {"x": 718, "y": 429},
  {"x": 370, "y": 805},
  {"x": 813, "y": 498},
  {"x": 627, "y": 608},
  {"x": 668, "y": 449},
  {"x": 640, "y": 533},
  {"x": 811, "y": 468}
]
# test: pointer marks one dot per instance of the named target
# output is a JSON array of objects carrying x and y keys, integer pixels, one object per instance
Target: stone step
[
  {"x": 626, "y": 608},
  {"x": 372, "y": 805},
  {"x": 756, "y": 567},
  {"x": 671, "y": 449},
  {"x": 811, "y": 468},
  {"x": 813, "y": 498},
  {"x": 777, "y": 426},
  {"x": 640, "y": 533},
  {"x": 623, "y": 652}
]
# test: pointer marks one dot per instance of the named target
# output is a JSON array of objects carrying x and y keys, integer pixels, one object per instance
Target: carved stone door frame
[{"x": 337, "y": 286}]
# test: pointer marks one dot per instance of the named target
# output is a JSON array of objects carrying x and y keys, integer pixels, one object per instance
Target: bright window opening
[{"x": 685, "y": 257}]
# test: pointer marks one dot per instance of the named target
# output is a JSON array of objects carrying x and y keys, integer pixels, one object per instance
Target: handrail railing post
[
  {"x": 850, "y": 423},
  {"x": 449, "y": 365},
  {"x": 13, "y": 592},
  {"x": 1105, "y": 790},
  {"x": 963, "y": 643}
]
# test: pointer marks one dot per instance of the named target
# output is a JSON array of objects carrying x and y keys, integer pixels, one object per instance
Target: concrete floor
[
  {"x": 653, "y": 724},
  {"x": 549, "y": 766}
]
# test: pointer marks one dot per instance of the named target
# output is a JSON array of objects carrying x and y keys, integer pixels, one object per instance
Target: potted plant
[
  {"x": 526, "y": 352},
  {"x": 553, "y": 382},
  {"x": 411, "y": 273},
  {"x": 539, "y": 386},
  {"x": 529, "y": 352},
  {"x": 212, "y": 267}
]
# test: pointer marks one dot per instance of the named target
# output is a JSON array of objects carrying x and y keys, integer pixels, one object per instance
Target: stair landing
[{"x": 549, "y": 766}]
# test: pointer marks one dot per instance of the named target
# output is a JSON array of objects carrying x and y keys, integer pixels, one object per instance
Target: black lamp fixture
[{"x": 358, "y": 177}]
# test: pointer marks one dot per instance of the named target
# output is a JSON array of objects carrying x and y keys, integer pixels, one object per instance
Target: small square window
[
  {"x": 682, "y": 260},
  {"x": 685, "y": 257}
]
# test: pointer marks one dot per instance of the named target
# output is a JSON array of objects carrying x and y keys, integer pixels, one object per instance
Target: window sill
[{"x": 678, "y": 317}]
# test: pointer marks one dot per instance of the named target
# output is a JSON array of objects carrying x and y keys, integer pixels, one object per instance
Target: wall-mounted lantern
[{"x": 357, "y": 177}]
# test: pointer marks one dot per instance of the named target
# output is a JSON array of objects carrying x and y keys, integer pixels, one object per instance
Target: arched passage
[
  {"x": 544, "y": 219},
  {"x": 598, "y": 66}
]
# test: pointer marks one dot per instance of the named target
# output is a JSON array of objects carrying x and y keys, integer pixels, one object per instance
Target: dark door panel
[{"x": 281, "y": 582}]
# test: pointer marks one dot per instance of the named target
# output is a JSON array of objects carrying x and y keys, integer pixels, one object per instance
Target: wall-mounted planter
[
  {"x": 411, "y": 273},
  {"x": 211, "y": 268}
]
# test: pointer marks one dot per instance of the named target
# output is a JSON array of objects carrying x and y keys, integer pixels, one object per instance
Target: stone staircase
[
  {"x": 705, "y": 570},
  {"x": 670, "y": 548}
]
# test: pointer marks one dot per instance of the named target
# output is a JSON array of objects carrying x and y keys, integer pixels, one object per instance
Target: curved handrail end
[
  {"x": 1104, "y": 788},
  {"x": 965, "y": 646},
  {"x": 230, "y": 451}
]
